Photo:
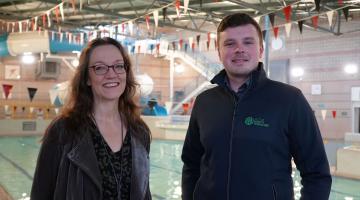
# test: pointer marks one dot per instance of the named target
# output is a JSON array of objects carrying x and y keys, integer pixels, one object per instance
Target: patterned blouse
[{"x": 114, "y": 164}]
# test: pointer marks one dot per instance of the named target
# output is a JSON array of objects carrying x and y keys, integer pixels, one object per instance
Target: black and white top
[{"x": 114, "y": 164}]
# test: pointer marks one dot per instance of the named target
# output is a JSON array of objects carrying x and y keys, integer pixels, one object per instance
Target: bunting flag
[
  {"x": 300, "y": 24},
  {"x": 164, "y": 11},
  {"x": 207, "y": 45},
  {"x": 340, "y": 2},
  {"x": 31, "y": 109},
  {"x": 173, "y": 45},
  {"x": 186, "y": 5},
  {"x": 57, "y": 13},
  {"x": 62, "y": 12},
  {"x": 73, "y": 5},
  {"x": 132, "y": 49},
  {"x": 180, "y": 44},
  {"x": 334, "y": 114},
  {"x": 315, "y": 20},
  {"x": 186, "y": 47},
  {"x": 7, "y": 89},
  {"x": 57, "y": 102},
  {"x": 131, "y": 26},
  {"x": 48, "y": 17},
  {"x": 198, "y": 40},
  {"x": 151, "y": 48},
  {"x": 317, "y": 5},
  {"x": 35, "y": 26},
  {"x": 32, "y": 92},
  {"x": 193, "y": 46},
  {"x": 177, "y": 7},
  {"x": 20, "y": 26},
  {"x": 191, "y": 39},
  {"x": 276, "y": 31},
  {"x": 156, "y": 17},
  {"x": 208, "y": 36},
  {"x": 330, "y": 15},
  {"x": 288, "y": 29},
  {"x": 138, "y": 49},
  {"x": 215, "y": 44},
  {"x": 147, "y": 18},
  {"x": 346, "y": 13},
  {"x": 56, "y": 110},
  {"x": 122, "y": 28},
  {"x": 323, "y": 114},
  {"x": 6, "y": 108},
  {"x": 23, "y": 109},
  {"x": 272, "y": 19},
  {"x": 287, "y": 13},
  {"x": 43, "y": 20},
  {"x": 257, "y": 19},
  {"x": 264, "y": 32},
  {"x": 158, "y": 48}
]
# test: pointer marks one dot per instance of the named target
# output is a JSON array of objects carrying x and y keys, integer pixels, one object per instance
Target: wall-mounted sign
[
  {"x": 316, "y": 89},
  {"x": 12, "y": 72}
]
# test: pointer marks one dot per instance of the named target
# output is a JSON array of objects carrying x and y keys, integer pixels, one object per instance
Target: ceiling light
[
  {"x": 75, "y": 62},
  {"x": 297, "y": 72},
  {"x": 179, "y": 68},
  {"x": 28, "y": 58},
  {"x": 351, "y": 69}
]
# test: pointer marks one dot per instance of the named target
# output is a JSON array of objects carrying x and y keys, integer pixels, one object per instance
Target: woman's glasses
[{"x": 101, "y": 69}]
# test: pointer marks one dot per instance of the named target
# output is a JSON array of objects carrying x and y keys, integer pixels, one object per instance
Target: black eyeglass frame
[{"x": 108, "y": 68}]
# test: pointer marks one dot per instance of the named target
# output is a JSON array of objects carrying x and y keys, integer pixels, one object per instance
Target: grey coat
[{"x": 67, "y": 168}]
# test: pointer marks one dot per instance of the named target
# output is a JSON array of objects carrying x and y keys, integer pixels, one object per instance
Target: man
[{"x": 244, "y": 133}]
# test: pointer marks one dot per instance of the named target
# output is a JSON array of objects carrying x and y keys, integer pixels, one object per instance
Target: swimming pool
[{"x": 18, "y": 159}]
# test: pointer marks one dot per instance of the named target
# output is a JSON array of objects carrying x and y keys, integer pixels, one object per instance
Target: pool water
[{"x": 18, "y": 159}]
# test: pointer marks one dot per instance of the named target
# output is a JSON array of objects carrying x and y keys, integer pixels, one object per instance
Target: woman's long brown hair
[{"x": 81, "y": 99}]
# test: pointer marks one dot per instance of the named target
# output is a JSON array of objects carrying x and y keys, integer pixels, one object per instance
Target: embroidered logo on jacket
[{"x": 255, "y": 121}]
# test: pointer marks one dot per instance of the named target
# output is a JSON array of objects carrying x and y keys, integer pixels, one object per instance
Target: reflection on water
[{"x": 18, "y": 158}]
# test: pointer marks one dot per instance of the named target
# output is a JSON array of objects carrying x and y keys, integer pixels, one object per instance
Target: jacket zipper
[
  {"x": 230, "y": 149},
  {"x": 274, "y": 192}
]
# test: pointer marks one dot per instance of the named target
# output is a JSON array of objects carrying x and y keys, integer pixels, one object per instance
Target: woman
[{"x": 98, "y": 148}]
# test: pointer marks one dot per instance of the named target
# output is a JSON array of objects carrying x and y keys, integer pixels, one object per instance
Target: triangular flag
[
  {"x": 340, "y": 2},
  {"x": 57, "y": 14},
  {"x": 272, "y": 19},
  {"x": 131, "y": 25},
  {"x": 207, "y": 45},
  {"x": 334, "y": 114},
  {"x": 180, "y": 44},
  {"x": 300, "y": 24},
  {"x": 6, "y": 108},
  {"x": 288, "y": 29},
  {"x": 147, "y": 19},
  {"x": 197, "y": 40},
  {"x": 20, "y": 26},
  {"x": 158, "y": 48},
  {"x": 23, "y": 109},
  {"x": 186, "y": 47},
  {"x": 330, "y": 15},
  {"x": 287, "y": 13},
  {"x": 173, "y": 45},
  {"x": 191, "y": 39},
  {"x": 276, "y": 31},
  {"x": 323, "y": 114},
  {"x": 193, "y": 46},
  {"x": 186, "y": 5},
  {"x": 208, "y": 36},
  {"x": 257, "y": 19},
  {"x": 48, "y": 16},
  {"x": 177, "y": 7},
  {"x": 56, "y": 110},
  {"x": 264, "y": 34},
  {"x": 314, "y": 20},
  {"x": 62, "y": 11},
  {"x": 317, "y": 5},
  {"x": 32, "y": 92},
  {"x": 31, "y": 109},
  {"x": 164, "y": 11},
  {"x": 156, "y": 17},
  {"x": 57, "y": 102},
  {"x": 346, "y": 13},
  {"x": 7, "y": 89}
]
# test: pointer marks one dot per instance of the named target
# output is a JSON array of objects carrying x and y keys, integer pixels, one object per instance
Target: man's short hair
[{"x": 238, "y": 19}]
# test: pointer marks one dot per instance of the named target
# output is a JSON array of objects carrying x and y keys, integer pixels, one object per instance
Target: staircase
[{"x": 203, "y": 66}]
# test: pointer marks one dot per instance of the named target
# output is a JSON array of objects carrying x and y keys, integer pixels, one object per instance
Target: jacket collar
[
  {"x": 258, "y": 77},
  {"x": 83, "y": 155}
]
